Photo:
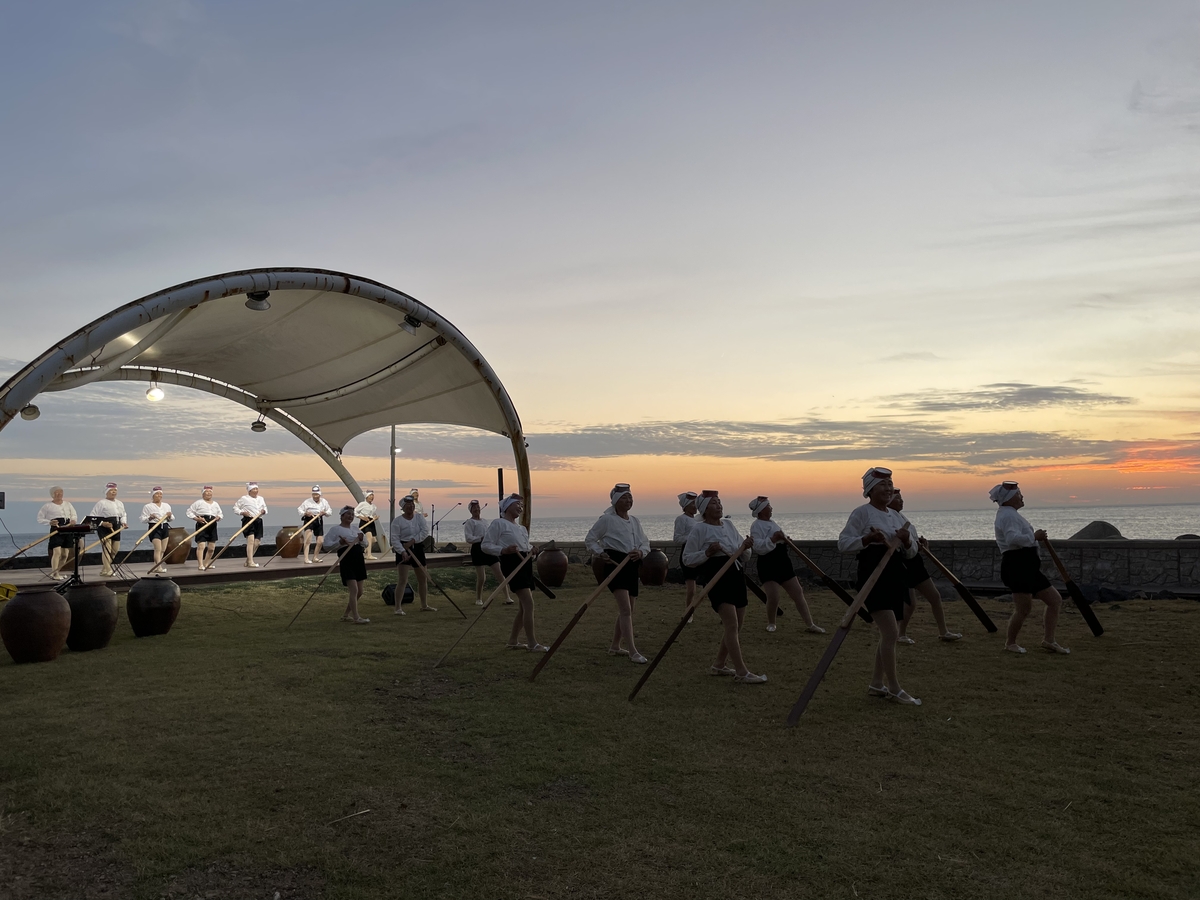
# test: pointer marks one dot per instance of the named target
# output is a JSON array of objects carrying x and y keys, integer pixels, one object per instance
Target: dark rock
[
  {"x": 1098, "y": 531},
  {"x": 1102, "y": 593},
  {"x": 450, "y": 548},
  {"x": 1188, "y": 537},
  {"x": 1164, "y": 595}
]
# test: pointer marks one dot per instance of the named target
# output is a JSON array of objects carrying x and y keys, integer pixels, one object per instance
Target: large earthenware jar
[
  {"x": 34, "y": 624},
  {"x": 552, "y": 566},
  {"x": 178, "y": 547},
  {"x": 152, "y": 605},
  {"x": 93, "y": 617},
  {"x": 654, "y": 568},
  {"x": 292, "y": 550}
]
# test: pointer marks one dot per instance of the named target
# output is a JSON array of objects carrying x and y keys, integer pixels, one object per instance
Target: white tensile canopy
[{"x": 333, "y": 356}]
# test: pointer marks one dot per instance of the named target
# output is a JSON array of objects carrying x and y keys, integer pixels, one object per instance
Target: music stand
[{"x": 78, "y": 531}]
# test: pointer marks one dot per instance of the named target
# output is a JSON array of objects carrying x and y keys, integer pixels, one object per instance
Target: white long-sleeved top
[
  {"x": 51, "y": 511},
  {"x": 611, "y": 532},
  {"x": 109, "y": 509},
  {"x": 501, "y": 534},
  {"x": 1013, "y": 530},
  {"x": 724, "y": 533},
  {"x": 155, "y": 512},
  {"x": 760, "y": 533},
  {"x": 474, "y": 530},
  {"x": 205, "y": 508},
  {"x": 683, "y": 527},
  {"x": 366, "y": 511},
  {"x": 248, "y": 507},
  {"x": 311, "y": 507},
  {"x": 338, "y": 531},
  {"x": 404, "y": 530},
  {"x": 866, "y": 517}
]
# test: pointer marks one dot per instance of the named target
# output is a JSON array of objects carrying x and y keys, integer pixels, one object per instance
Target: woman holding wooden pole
[
  {"x": 407, "y": 534},
  {"x": 474, "y": 529},
  {"x": 509, "y": 540},
  {"x": 867, "y": 533},
  {"x": 712, "y": 542},
  {"x": 684, "y": 523},
  {"x": 615, "y": 536},
  {"x": 57, "y": 513},
  {"x": 253, "y": 509},
  {"x": 156, "y": 511},
  {"x": 366, "y": 513},
  {"x": 1021, "y": 568},
  {"x": 919, "y": 582},
  {"x": 111, "y": 520},
  {"x": 351, "y": 564},
  {"x": 775, "y": 566},
  {"x": 206, "y": 512},
  {"x": 313, "y": 511}
]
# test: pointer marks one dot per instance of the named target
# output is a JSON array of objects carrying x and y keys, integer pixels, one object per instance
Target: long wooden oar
[
  {"x": 1081, "y": 603},
  {"x": 125, "y": 558},
  {"x": 319, "y": 583},
  {"x": 525, "y": 559},
  {"x": 967, "y": 596},
  {"x": 229, "y": 543},
  {"x": 687, "y": 614},
  {"x": 839, "y": 635},
  {"x": 107, "y": 537},
  {"x": 191, "y": 537},
  {"x": 303, "y": 528},
  {"x": 575, "y": 620},
  {"x": 28, "y": 547},
  {"x": 828, "y": 582},
  {"x": 429, "y": 578}
]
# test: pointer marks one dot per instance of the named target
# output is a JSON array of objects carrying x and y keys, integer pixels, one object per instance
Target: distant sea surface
[{"x": 1144, "y": 522}]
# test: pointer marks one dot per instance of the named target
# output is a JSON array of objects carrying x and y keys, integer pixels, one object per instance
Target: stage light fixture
[
  {"x": 257, "y": 300},
  {"x": 258, "y": 426},
  {"x": 30, "y": 412},
  {"x": 154, "y": 393}
]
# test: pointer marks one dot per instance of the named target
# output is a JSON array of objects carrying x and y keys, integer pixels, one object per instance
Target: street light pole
[{"x": 392, "y": 501}]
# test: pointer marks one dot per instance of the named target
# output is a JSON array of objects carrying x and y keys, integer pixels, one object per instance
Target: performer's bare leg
[
  {"x": 524, "y": 620},
  {"x": 1053, "y": 600},
  {"x": 794, "y": 590},
  {"x": 731, "y": 647},
  {"x": 57, "y": 561},
  {"x": 885, "y": 655},
  {"x": 160, "y": 548},
  {"x": 771, "y": 589},
  {"x": 623, "y": 631},
  {"x": 108, "y": 550},
  {"x": 690, "y": 585},
  {"x": 423, "y": 590},
  {"x": 371, "y": 546},
  {"x": 402, "y": 571},
  {"x": 307, "y": 543},
  {"x": 500, "y": 577},
  {"x": 354, "y": 591},
  {"x": 480, "y": 581}
]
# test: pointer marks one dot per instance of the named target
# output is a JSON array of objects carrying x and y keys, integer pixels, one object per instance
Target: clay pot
[
  {"x": 552, "y": 566},
  {"x": 654, "y": 568},
  {"x": 34, "y": 624},
  {"x": 93, "y": 617},
  {"x": 152, "y": 605},
  {"x": 178, "y": 547},
  {"x": 292, "y": 550}
]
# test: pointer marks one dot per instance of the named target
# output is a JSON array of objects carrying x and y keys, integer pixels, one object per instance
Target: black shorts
[
  {"x": 415, "y": 550},
  {"x": 364, "y": 528},
  {"x": 917, "y": 573},
  {"x": 732, "y": 586},
  {"x": 479, "y": 558},
  {"x": 255, "y": 530},
  {"x": 891, "y": 590},
  {"x": 523, "y": 580},
  {"x": 317, "y": 527},
  {"x": 109, "y": 527},
  {"x": 353, "y": 566},
  {"x": 1021, "y": 571},
  {"x": 61, "y": 540},
  {"x": 627, "y": 578},
  {"x": 776, "y": 566},
  {"x": 161, "y": 531},
  {"x": 210, "y": 534}
]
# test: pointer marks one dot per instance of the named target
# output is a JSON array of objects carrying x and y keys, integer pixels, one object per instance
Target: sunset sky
[{"x": 752, "y": 246}]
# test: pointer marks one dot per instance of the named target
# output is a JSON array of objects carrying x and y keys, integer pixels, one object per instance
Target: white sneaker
[
  {"x": 903, "y": 697},
  {"x": 539, "y": 648},
  {"x": 950, "y": 636},
  {"x": 638, "y": 659},
  {"x": 479, "y": 603},
  {"x": 721, "y": 670},
  {"x": 1014, "y": 648},
  {"x": 361, "y": 621},
  {"x": 905, "y": 639},
  {"x": 815, "y": 629},
  {"x": 750, "y": 678},
  {"x": 771, "y": 629},
  {"x": 1054, "y": 647}
]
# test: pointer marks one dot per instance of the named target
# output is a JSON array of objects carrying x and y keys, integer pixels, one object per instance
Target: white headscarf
[
  {"x": 685, "y": 498},
  {"x": 758, "y": 503},
  {"x": 873, "y": 476},
  {"x": 508, "y": 501},
  {"x": 619, "y": 491},
  {"x": 703, "y": 500},
  {"x": 1004, "y": 492}
]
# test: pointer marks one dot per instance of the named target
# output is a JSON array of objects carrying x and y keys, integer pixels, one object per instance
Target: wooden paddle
[
  {"x": 229, "y": 542},
  {"x": 319, "y": 583},
  {"x": 967, "y": 596},
  {"x": 828, "y": 582},
  {"x": 416, "y": 562},
  {"x": 107, "y": 537},
  {"x": 528, "y": 556},
  {"x": 303, "y": 528},
  {"x": 687, "y": 614},
  {"x": 191, "y": 537},
  {"x": 125, "y": 558},
  {"x": 839, "y": 635},
  {"x": 1081, "y": 603},
  {"x": 7, "y": 591},
  {"x": 28, "y": 547},
  {"x": 575, "y": 619}
]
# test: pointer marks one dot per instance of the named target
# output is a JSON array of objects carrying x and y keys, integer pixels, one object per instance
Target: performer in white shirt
[
  {"x": 313, "y": 510},
  {"x": 407, "y": 534},
  {"x": 109, "y": 517},
  {"x": 711, "y": 543},
  {"x": 919, "y": 582},
  {"x": 366, "y": 511},
  {"x": 253, "y": 509},
  {"x": 684, "y": 523},
  {"x": 158, "y": 511},
  {"x": 474, "y": 529},
  {"x": 867, "y": 532},
  {"x": 57, "y": 513},
  {"x": 615, "y": 536},
  {"x": 509, "y": 540},
  {"x": 415, "y": 493},
  {"x": 203, "y": 511},
  {"x": 1021, "y": 568},
  {"x": 775, "y": 569},
  {"x": 350, "y": 539}
]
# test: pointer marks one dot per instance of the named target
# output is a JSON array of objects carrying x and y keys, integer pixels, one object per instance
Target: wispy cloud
[{"x": 1003, "y": 396}]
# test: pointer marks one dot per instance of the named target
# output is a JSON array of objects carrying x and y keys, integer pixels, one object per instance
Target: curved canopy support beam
[
  {"x": 80, "y": 377},
  {"x": 415, "y": 357}
]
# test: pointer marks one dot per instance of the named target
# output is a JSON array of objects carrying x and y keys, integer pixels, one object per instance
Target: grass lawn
[{"x": 229, "y": 758}]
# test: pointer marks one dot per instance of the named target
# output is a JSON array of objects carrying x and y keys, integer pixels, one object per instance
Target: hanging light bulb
[
  {"x": 257, "y": 300},
  {"x": 154, "y": 393},
  {"x": 258, "y": 426}
]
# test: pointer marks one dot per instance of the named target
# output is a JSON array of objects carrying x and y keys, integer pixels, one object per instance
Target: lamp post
[{"x": 392, "y": 459}]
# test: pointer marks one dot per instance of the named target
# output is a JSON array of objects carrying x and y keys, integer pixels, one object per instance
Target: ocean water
[{"x": 1144, "y": 522}]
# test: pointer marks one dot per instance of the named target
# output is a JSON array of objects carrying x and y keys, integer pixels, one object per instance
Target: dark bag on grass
[{"x": 389, "y": 595}]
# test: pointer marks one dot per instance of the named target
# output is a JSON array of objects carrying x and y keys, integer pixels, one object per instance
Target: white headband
[
  {"x": 703, "y": 500},
  {"x": 758, "y": 503},
  {"x": 316, "y": 489},
  {"x": 508, "y": 501},
  {"x": 685, "y": 498},
  {"x": 619, "y": 491},
  {"x": 873, "y": 476},
  {"x": 251, "y": 485},
  {"x": 1004, "y": 492}
]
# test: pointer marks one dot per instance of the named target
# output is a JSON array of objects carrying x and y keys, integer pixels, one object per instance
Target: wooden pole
[
  {"x": 191, "y": 537},
  {"x": 125, "y": 558},
  {"x": 967, "y": 596},
  {"x": 299, "y": 531},
  {"x": 319, "y": 583},
  {"x": 229, "y": 543},
  {"x": 575, "y": 620},
  {"x": 429, "y": 578},
  {"x": 828, "y": 582},
  {"x": 839, "y": 635},
  {"x": 28, "y": 547},
  {"x": 107, "y": 537},
  {"x": 488, "y": 603},
  {"x": 1080, "y": 601}
]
